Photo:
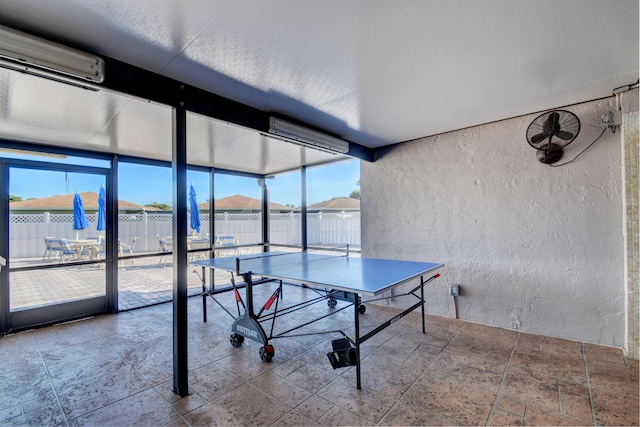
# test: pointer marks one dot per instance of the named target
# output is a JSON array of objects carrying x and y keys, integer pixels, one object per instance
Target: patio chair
[
  {"x": 52, "y": 246},
  {"x": 198, "y": 243},
  {"x": 226, "y": 245},
  {"x": 99, "y": 250},
  {"x": 66, "y": 252},
  {"x": 127, "y": 248},
  {"x": 164, "y": 248}
]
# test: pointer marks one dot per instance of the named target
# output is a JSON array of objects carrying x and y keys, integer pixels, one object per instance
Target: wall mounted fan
[{"x": 550, "y": 132}]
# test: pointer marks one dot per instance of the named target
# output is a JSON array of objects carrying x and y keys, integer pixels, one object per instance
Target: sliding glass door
[{"x": 56, "y": 257}]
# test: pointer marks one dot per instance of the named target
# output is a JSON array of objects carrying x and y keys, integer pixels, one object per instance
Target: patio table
[{"x": 80, "y": 246}]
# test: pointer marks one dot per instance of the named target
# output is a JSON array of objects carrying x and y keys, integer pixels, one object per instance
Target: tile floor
[{"x": 117, "y": 370}]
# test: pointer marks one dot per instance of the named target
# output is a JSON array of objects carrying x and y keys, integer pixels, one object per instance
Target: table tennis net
[{"x": 276, "y": 259}]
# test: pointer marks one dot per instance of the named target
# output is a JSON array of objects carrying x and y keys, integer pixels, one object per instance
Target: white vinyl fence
[{"x": 28, "y": 231}]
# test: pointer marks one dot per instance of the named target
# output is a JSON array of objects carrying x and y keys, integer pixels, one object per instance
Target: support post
[
  {"x": 179, "y": 172},
  {"x": 111, "y": 238},
  {"x": 303, "y": 207},
  {"x": 266, "y": 234},
  {"x": 212, "y": 225},
  {"x": 4, "y": 249}
]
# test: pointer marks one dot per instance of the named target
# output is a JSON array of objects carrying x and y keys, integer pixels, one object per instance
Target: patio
[{"x": 142, "y": 282}]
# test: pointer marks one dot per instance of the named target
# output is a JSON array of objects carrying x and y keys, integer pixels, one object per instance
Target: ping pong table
[{"x": 331, "y": 277}]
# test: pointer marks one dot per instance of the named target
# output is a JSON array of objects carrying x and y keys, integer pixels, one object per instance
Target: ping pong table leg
[
  {"x": 356, "y": 317},
  {"x": 424, "y": 331},
  {"x": 204, "y": 296}
]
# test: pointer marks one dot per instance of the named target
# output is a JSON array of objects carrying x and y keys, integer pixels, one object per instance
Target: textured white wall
[{"x": 534, "y": 248}]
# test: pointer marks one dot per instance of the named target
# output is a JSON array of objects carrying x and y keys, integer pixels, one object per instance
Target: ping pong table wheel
[
  {"x": 362, "y": 308},
  {"x": 236, "y": 340},
  {"x": 331, "y": 302},
  {"x": 266, "y": 353}
]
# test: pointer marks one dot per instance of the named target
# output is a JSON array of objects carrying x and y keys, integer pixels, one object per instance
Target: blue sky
[{"x": 147, "y": 184}]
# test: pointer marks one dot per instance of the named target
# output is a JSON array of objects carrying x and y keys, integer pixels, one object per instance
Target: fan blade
[
  {"x": 564, "y": 135},
  {"x": 552, "y": 123},
  {"x": 539, "y": 137}
]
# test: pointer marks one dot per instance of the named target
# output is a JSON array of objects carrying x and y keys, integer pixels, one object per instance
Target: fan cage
[{"x": 568, "y": 121}]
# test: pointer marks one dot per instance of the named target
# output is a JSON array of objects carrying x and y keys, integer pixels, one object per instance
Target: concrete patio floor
[{"x": 141, "y": 282}]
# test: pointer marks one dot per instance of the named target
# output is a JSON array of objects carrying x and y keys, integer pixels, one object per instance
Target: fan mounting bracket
[{"x": 548, "y": 157}]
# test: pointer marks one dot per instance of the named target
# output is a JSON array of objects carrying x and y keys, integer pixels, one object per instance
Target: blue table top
[{"x": 364, "y": 276}]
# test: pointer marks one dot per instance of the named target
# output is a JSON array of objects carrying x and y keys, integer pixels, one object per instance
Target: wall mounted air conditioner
[{"x": 307, "y": 137}]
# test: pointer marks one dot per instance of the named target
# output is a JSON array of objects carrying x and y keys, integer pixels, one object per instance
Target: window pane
[
  {"x": 284, "y": 210},
  {"x": 333, "y": 198},
  {"x": 144, "y": 205},
  {"x": 145, "y": 225},
  {"x": 238, "y": 213}
]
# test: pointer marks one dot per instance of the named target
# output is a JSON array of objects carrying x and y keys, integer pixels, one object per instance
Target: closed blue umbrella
[
  {"x": 79, "y": 218},
  {"x": 195, "y": 210},
  {"x": 102, "y": 210}
]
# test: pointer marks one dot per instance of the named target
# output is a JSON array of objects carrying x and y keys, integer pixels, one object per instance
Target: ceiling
[{"x": 373, "y": 72}]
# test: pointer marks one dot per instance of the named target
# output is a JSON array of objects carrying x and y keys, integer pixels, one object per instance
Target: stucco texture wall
[{"x": 533, "y": 247}]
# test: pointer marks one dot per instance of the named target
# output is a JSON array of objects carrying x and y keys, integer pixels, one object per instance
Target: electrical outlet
[
  {"x": 454, "y": 290},
  {"x": 612, "y": 119}
]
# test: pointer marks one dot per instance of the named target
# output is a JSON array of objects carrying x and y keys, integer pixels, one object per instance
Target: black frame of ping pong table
[{"x": 248, "y": 324}]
